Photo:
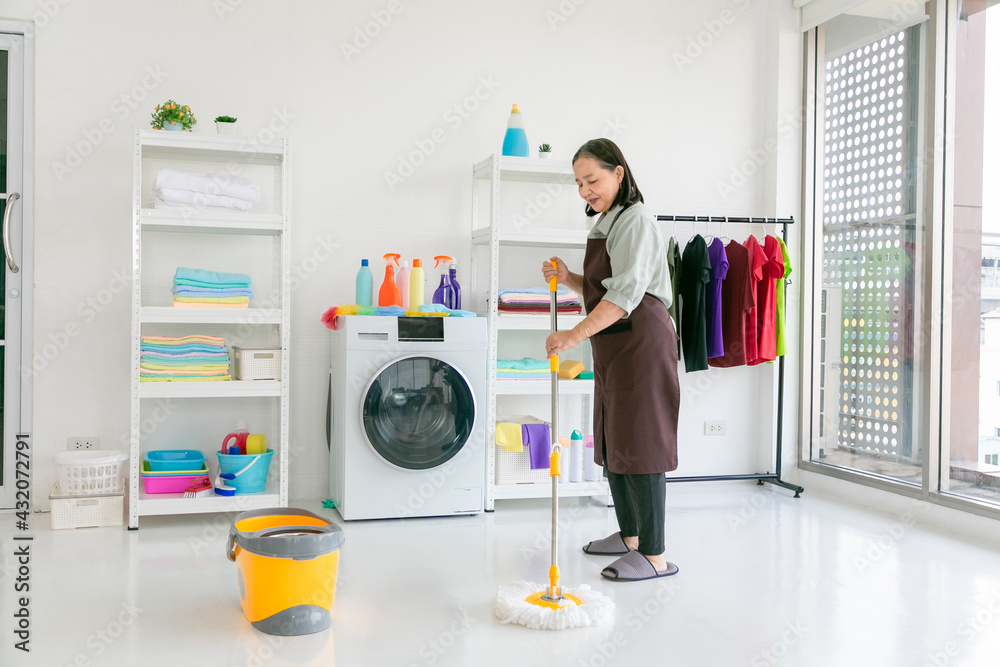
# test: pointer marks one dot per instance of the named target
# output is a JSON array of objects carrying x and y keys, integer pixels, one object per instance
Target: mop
[{"x": 552, "y": 607}]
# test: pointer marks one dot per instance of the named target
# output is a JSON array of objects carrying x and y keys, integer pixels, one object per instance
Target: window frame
[{"x": 937, "y": 95}]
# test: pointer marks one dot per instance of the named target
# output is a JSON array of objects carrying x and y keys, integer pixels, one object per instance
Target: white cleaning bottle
[
  {"x": 403, "y": 283},
  {"x": 417, "y": 285}
]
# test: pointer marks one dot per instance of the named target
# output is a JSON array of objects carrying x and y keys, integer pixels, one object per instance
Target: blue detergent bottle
[
  {"x": 445, "y": 292},
  {"x": 363, "y": 285},
  {"x": 515, "y": 141}
]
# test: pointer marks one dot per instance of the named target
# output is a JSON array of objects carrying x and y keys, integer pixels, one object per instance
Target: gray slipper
[
  {"x": 633, "y": 566},
  {"x": 612, "y": 545}
]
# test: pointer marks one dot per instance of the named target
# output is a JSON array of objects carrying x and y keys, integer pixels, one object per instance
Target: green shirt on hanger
[{"x": 780, "y": 303}]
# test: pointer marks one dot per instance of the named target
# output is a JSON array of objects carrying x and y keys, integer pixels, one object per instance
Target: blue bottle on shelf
[
  {"x": 515, "y": 141},
  {"x": 363, "y": 285}
]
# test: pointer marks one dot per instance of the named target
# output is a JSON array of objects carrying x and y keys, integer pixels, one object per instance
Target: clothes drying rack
[{"x": 775, "y": 477}]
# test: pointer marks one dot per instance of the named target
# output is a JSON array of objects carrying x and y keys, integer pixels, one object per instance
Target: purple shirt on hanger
[{"x": 713, "y": 297}]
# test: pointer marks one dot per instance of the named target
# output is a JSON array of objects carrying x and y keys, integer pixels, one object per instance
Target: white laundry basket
[{"x": 90, "y": 472}]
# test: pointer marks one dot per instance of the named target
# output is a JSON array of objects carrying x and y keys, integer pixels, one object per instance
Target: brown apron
[{"x": 636, "y": 390}]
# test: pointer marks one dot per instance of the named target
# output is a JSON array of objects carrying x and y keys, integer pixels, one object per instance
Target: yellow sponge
[{"x": 570, "y": 369}]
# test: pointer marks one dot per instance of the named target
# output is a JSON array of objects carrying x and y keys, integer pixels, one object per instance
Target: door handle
[{"x": 11, "y": 198}]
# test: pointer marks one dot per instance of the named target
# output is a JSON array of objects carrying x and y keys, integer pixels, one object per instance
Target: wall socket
[
  {"x": 75, "y": 443},
  {"x": 715, "y": 428}
]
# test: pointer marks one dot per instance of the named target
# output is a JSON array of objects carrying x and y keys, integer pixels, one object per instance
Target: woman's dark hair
[{"x": 609, "y": 156}]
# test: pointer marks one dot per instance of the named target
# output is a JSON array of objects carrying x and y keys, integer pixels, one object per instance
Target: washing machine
[{"x": 406, "y": 418}]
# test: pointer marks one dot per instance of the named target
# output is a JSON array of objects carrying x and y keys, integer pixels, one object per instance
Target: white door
[{"x": 15, "y": 345}]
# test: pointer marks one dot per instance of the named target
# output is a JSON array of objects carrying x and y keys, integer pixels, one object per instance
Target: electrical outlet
[
  {"x": 715, "y": 428},
  {"x": 75, "y": 443}
]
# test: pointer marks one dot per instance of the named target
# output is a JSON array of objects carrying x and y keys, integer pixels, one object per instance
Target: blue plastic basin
[{"x": 175, "y": 459}]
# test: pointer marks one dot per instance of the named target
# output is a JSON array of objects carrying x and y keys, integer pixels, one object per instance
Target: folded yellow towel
[
  {"x": 200, "y": 304},
  {"x": 508, "y": 436},
  {"x": 212, "y": 299},
  {"x": 570, "y": 368}
]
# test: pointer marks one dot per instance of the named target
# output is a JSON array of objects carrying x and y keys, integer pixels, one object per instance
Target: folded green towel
[{"x": 526, "y": 364}]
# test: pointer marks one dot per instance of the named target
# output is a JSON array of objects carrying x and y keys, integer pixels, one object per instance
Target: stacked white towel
[{"x": 178, "y": 189}]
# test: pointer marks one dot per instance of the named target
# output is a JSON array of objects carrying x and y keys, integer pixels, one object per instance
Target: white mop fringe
[{"x": 510, "y": 607}]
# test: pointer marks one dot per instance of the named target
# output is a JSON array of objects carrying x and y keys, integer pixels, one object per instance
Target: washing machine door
[{"x": 418, "y": 412}]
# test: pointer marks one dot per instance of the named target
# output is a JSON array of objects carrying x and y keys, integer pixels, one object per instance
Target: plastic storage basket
[
  {"x": 515, "y": 467},
  {"x": 90, "y": 472},
  {"x": 86, "y": 511},
  {"x": 257, "y": 363}
]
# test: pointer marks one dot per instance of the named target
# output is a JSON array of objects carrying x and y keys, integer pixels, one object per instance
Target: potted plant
[
  {"x": 225, "y": 125},
  {"x": 172, "y": 116},
  {"x": 545, "y": 151}
]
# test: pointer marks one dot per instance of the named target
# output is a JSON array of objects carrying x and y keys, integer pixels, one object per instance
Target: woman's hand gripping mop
[{"x": 552, "y": 607}]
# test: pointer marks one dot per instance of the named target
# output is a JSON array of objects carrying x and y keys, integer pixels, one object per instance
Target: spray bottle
[
  {"x": 417, "y": 285},
  {"x": 403, "y": 283},
  {"x": 445, "y": 293},
  {"x": 453, "y": 279},
  {"x": 515, "y": 140},
  {"x": 388, "y": 294},
  {"x": 363, "y": 285}
]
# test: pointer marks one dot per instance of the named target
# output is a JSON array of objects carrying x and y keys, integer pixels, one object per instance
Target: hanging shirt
[
  {"x": 780, "y": 301},
  {"x": 757, "y": 261},
  {"x": 767, "y": 321},
  {"x": 674, "y": 264},
  {"x": 713, "y": 297},
  {"x": 737, "y": 300},
  {"x": 694, "y": 279}
]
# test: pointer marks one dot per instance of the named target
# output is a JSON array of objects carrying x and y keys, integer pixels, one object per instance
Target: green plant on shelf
[
  {"x": 172, "y": 112},
  {"x": 225, "y": 119},
  {"x": 545, "y": 148}
]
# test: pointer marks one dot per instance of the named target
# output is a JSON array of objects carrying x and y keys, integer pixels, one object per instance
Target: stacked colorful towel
[
  {"x": 184, "y": 359},
  {"x": 523, "y": 300},
  {"x": 189, "y": 190},
  {"x": 523, "y": 369},
  {"x": 195, "y": 288}
]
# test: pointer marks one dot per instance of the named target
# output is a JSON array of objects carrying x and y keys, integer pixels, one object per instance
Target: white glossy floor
[{"x": 764, "y": 580}]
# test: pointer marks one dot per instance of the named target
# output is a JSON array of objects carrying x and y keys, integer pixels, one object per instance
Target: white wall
[{"x": 687, "y": 116}]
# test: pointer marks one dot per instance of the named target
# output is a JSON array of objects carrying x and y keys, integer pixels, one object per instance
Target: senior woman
[{"x": 626, "y": 289}]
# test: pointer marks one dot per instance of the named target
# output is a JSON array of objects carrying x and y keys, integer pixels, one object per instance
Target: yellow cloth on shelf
[
  {"x": 212, "y": 299},
  {"x": 508, "y": 436},
  {"x": 183, "y": 304},
  {"x": 207, "y": 378},
  {"x": 184, "y": 340},
  {"x": 185, "y": 369}
]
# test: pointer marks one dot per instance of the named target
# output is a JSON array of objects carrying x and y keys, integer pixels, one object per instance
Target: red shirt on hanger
[
  {"x": 757, "y": 261},
  {"x": 767, "y": 313}
]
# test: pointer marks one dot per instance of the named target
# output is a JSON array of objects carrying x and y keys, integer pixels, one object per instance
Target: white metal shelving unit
[
  {"x": 494, "y": 170},
  {"x": 214, "y": 152}
]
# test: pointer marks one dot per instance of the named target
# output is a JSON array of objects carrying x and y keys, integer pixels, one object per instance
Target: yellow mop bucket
[{"x": 286, "y": 567}]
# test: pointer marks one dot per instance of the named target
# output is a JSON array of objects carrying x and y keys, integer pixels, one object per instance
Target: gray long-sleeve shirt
[{"x": 638, "y": 262}]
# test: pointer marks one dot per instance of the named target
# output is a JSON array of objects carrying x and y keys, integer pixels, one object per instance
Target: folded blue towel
[
  {"x": 185, "y": 290},
  {"x": 213, "y": 277},
  {"x": 180, "y": 349},
  {"x": 525, "y": 364},
  {"x": 203, "y": 284},
  {"x": 438, "y": 308},
  {"x": 561, "y": 289}
]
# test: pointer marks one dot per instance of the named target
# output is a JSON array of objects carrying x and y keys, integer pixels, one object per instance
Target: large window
[{"x": 869, "y": 184}]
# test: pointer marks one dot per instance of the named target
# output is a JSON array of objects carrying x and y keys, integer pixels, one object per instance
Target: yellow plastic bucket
[{"x": 286, "y": 568}]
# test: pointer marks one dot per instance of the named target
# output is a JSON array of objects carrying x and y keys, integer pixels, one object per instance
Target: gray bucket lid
[{"x": 297, "y": 541}]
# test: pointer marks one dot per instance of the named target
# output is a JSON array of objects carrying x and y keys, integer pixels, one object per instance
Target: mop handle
[{"x": 554, "y": 457}]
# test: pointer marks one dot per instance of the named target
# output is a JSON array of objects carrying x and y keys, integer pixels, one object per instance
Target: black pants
[{"x": 641, "y": 507}]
